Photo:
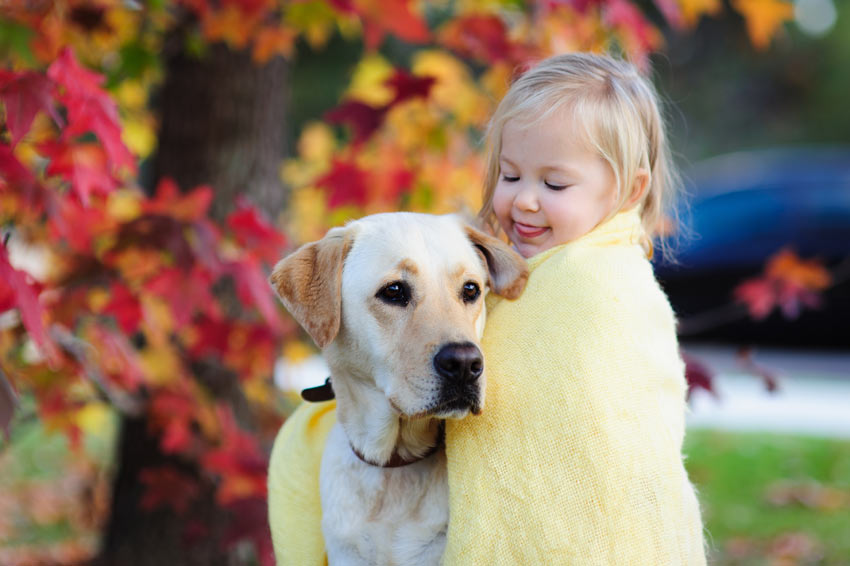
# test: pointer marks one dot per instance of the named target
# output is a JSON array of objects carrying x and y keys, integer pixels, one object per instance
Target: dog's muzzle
[{"x": 459, "y": 364}]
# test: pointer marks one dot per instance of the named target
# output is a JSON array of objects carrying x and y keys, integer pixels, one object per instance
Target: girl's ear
[
  {"x": 508, "y": 270},
  {"x": 639, "y": 188},
  {"x": 309, "y": 283}
]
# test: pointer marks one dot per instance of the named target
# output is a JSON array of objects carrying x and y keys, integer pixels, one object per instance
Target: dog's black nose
[{"x": 459, "y": 361}]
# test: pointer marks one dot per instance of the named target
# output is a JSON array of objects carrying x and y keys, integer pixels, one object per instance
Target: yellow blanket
[{"x": 576, "y": 458}]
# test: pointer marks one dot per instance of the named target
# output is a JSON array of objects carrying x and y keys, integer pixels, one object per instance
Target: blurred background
[{"x": 157, "y": 158}]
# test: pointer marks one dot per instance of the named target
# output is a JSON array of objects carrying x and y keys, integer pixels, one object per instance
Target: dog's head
[{"x": 397, "y": 303}]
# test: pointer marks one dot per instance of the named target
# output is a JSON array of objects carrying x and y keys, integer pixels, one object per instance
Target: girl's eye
[
  {"x": 555, "y": 187},
  {"x": 510, "y": 178},
  {"x": 471, "y": 291}
]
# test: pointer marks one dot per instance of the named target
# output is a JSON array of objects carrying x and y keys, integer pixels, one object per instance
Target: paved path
[{"x": 813, "y": 396}]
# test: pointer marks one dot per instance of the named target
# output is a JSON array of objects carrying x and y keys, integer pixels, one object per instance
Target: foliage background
[{"x": 144, "y": 322}]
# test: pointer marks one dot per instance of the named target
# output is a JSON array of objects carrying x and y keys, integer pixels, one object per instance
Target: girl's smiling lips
[{"x": 528, "y": 231}]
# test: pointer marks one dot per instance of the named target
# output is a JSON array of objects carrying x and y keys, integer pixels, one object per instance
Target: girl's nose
[{"x": 526, "y": 199}]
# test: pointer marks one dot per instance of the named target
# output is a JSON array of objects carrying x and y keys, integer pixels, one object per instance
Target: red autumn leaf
[
  {"x": 698, "y": 375},
  {"x": 185, "y": 291},
  {"x": 90, "y": 108},
  {"x": 363, "y": 119},
  {"x": 169, "y": 201},
  {"x": 482, "y": 37},
  {"x": 640, "y": 36},
  {"x": 672, "y": 12},
  {"x": 177, "y": 436},
  {"x": 749, "y": 365},
  {"x": 14, "y": 176},
  {"x": 391, "y": 184},
  {"x": 125, "y": 307},
  {"x": 581, "y": 6},
  {"x": 255, "y": 233},
  {"x": 346, "y": 183},
  {"x": 759, "y": 296},
  {"x": 212, "y": 336},
  {"x": 380, "y": 17},
  {"x": 167, "y": 487},
  {"x": 788, "y": 282},
  {"x": 252, "y": 288},
  {"x": 344, "y": 6},
  {"x": 409, "y": 86},
  {"x": 25, "y": 95},
  {"x": 26, "y": 292},
  {"x": 78, "y": 225},
  {"x": 83, "y": 165},
  {"x": 238, "y": 461}
]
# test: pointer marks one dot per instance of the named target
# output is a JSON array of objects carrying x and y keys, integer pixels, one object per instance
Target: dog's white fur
[{"x": 390, "y": 398}]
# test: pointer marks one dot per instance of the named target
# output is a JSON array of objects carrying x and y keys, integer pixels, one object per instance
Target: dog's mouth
[{"x": 456, "y": 403}]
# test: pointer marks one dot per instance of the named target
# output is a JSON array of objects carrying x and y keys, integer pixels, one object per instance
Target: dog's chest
[{"x": 392, "y": 516}]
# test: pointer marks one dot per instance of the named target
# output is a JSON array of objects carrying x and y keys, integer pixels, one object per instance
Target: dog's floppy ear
[
  {"x": 309, "y": 282},
  {"x": 508, "y": 270}
]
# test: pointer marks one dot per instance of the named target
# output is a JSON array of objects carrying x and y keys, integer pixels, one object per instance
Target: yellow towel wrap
[{"x": 576, "y": 458}]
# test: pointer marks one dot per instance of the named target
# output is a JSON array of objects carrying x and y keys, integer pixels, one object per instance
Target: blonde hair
[{"x": 616, "y": 110}]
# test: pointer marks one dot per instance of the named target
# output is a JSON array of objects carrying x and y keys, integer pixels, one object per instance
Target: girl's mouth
[{"x": 527, "y": 231}]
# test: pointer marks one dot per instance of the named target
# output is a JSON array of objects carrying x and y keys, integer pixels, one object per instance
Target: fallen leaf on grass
[{"x": 807, "y": 494}]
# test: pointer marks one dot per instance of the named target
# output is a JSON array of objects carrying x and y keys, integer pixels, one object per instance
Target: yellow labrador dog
[{"x": 396, "y": 302}]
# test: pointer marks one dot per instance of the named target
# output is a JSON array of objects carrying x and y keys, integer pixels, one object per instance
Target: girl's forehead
[{"x": 560, "y": 133}]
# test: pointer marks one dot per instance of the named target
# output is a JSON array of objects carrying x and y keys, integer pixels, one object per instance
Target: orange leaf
[
  {"x": 786, "y": 265},
  {"x": 390, "y": 16},
  {"x": 763, "y": 18},
  {"x": 693, "y": 10},
  {"x": 271, "y": 41}
]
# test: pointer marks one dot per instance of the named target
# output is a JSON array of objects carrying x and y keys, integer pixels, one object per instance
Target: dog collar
[
  {"x": 324, "y": 392},
  {"x": 396, "y": 461}
]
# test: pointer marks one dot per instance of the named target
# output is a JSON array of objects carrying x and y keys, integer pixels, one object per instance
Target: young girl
[{"x": 576, "y": 458}]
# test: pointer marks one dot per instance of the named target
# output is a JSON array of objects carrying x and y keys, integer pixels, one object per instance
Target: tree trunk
[{"x": 222, "y": 125}]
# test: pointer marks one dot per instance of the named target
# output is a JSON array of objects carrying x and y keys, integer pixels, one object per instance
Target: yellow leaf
[
  {"x": 454, "y": 91},
  {"x": 95, "y": 418},
  {"x": 317, "y": 142},
  {"x": 124, "y": 205},
  {"x": 257, "y": 391},
  {"x": 139, "y": 134},
  {"x": 161, "y": 365},
  {"x": 763, "y": 18},
  {"x": 367, "y": 83},
  {"x": 296, "y": 351},
  {"x": 131, "y": 94},
  {"x": 308, "y": 210},
  {"x": 98, "y": 298}
]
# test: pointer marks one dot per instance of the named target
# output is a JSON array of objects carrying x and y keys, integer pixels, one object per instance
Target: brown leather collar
[{"x": 396, "y": 461}]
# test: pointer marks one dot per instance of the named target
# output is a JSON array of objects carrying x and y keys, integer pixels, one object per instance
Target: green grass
[{"x": 734, "y": 474}]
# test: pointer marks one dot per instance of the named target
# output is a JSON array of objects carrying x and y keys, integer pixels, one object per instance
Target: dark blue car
[{"x": 743, "y": 208}]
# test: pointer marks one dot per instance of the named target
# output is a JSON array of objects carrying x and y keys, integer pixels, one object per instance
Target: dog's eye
[
  {"x": 395, "y": 293},
  {"x": 470, "y": 292}
]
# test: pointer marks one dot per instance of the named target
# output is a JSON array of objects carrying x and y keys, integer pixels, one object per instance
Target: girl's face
[{"x": 551, "y": 188}]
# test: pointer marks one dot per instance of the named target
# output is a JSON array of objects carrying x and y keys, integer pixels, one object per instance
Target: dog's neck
[{"x": 376, "y": 432}]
